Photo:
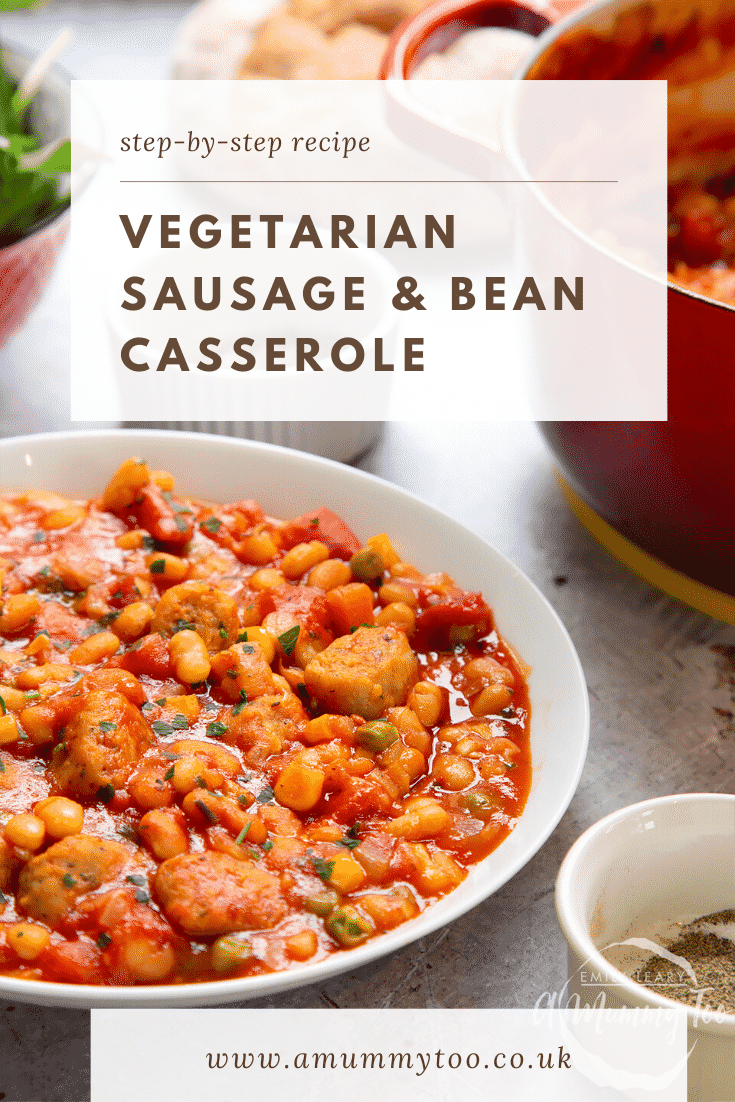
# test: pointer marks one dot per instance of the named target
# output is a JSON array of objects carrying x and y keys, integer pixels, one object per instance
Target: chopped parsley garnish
[
  {"x": 106, "y": 620},
  {"x": 211, "y": 524},
  {"x": 206, "y": 811},
  {"x": 288, "y": 639},
  {"x": 146, "y": 707},
  {"x": 32, "y": 694},
  {"x": 44, "y": 571},
  {"x": 322, "y": 868},
  {"x": 181, "y": 523},
  {"x": 161, "y": 700},
  {"x": 314, "y": 521},
  {"x": 510, "y": 764},
  {"x": 168, "y": 775},
  {"x": 139, "y": 881},
  {"x": 161, "y": 727},
  {"x": 103, "y": 941},
  {"x": 107, "y": 725},
  {"x": 39, "y": 537},
  {"x": 171, "y": 757},
  {"x": 180, "y": 722},
  {"x": 267, "y": 844},
  {"x": 39, "y": 767},
  {"x": 302, "y": 690},
  {"x": 149, "y": 544},
  {"x": 248, "y": 649},
  {"x": 69, "y": 881},
  {"x": 243, "y": 800},
  {"x": 210, "y": 706},
  {"x": 215, "y": 729},
  {"x": 142, "y": 897},
  {"x": 242, "y": 835},
  {"x": 200, "y": 782},
  {"x": 239, "y": 707},
  {"x": 243, "y": 778},
  {"x": 105, "y": 792},
  {"x": 222, "y": 631},
  {"x": 242, "y": 637},
  {"x": 158, "y": 566},
  {"x": 127, "y": 831},
  {"x": 183, "y": 625},
  {"x": 232, "y": 674},
  {"x": 265, "y": 796},
  {"x": 4, "y": 710},
  {"x": 2, "y": 766}
]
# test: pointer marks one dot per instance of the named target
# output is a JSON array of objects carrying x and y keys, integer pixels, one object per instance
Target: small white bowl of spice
[{"x": 646, "y": 901}]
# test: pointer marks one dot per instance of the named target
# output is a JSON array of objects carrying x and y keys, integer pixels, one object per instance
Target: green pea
[
  {"x": 367, "y": 564},
  {"x": 322, "y": 904},
  {"x": 377, "y": 735},
  {"x": 348, "y": 927},
  {"x": 479, "y": 805},
  {"x": 229, "y": 951}
]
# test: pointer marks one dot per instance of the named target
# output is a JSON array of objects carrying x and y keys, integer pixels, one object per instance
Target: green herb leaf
[
  {"x": 211, "y": 524},
  {"x": 158, "y": 566},
  {"x": 103, "y": 941},
  {"x": 107, "y": 725},
  {"x": 180, "y": 722},
  {"x": 248, "y": 649},
  {"x": 162, "y": 728},
  {"x": 183, "y": 625},
  {"x": 142, "y": 897},
  {"x": 288, "y": 639},
  {"x": 267, "y": 844},
  {"x": 322, "y": 868},
  {"x": 243, "y": 834},
  {"x": 105, "y": 792},
  {"x": 206, "y": 811},
  {"x": 242, "y": 637},
  {"x": 239, "y": 707},
  {"x": 168, "y": 775},
  {"x": 265, "y": 796},
  {"x": 3, "y": 709},
  {"x": 215, "y": 729},
  {"x": 138, "y": 880},
  {"x": 68, "y": 880}
]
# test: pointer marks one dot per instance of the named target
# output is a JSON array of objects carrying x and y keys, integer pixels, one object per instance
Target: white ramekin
[{"x": 664, "y": 859}]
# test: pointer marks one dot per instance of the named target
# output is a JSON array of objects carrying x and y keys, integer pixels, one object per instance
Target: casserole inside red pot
[{"x": 693, "y": 47}]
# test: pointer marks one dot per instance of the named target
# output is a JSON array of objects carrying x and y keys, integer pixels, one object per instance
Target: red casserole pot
[{"x": 658, "y": 495}]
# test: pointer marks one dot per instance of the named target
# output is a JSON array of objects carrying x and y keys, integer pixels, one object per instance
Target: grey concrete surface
[{"x": 661, "y": 678}]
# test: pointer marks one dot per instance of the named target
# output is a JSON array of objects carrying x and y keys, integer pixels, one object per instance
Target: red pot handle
[{"x": 438, "y": 26}]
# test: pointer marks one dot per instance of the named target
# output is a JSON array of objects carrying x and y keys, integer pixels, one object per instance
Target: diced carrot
[{"x": 351, "y": 605}]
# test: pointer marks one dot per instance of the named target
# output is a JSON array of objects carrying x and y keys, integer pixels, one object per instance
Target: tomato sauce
[{"x": 231, "y": 744}]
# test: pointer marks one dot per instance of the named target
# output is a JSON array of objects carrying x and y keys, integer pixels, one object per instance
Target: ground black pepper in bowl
[{"x": 708, "y": 946}]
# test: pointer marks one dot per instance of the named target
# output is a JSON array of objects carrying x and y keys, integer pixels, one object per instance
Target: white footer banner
[{"x": 416, "y": 1055}]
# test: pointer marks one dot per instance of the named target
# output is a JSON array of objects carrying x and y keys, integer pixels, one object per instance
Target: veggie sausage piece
[
  {"x": 51, "y": 883},
  {"x": 200, "y": 607},
  {"x": 210, "y": 893},
  {"x": 363, "y": 673},
  {"x": 102, "y": 745}
]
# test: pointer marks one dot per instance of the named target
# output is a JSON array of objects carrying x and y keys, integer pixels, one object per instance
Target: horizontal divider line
[{"x": 369, "y": 181}]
